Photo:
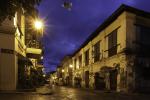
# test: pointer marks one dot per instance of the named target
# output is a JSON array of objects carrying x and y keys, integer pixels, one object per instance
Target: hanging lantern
[{"x": 67, "y": 5}]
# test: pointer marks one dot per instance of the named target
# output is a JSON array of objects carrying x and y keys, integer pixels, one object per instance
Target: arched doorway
[
  {"x": 99, "y": 81},
  {"x": 113, "y": 79}
]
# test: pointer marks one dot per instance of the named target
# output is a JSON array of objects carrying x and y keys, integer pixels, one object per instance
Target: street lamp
[
  {"x": 44, "y": 75},
  {"x": 63, "y": 70},
  {"x": 38, "y": 24},
  {"x": 41, "y": 57},
  {"x": 70, "y": 66}
]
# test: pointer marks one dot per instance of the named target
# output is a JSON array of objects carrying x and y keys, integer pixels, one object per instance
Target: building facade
[
  {"x": 67, "y": 71},
  {"x": 12, "y": 50},
  {"x": 116, "y": 56}
]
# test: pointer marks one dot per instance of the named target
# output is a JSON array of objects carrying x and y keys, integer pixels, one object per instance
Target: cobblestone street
[{"x": 65, "y": 93}]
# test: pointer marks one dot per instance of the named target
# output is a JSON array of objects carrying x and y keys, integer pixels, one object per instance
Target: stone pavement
[
  {"x": 46, "y": 89},
  {"x": 68, "y": 93}
]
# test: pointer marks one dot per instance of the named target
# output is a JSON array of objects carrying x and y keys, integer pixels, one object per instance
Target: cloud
[{"x": 67, "y": 30}]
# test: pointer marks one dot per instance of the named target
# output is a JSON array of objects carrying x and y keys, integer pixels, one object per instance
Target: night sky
[{"x": 66, "y": 30}]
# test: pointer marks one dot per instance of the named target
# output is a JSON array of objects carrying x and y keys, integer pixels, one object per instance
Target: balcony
[
  {"x": 112, "y": 51},
  {"x": 33, "y": 52}
]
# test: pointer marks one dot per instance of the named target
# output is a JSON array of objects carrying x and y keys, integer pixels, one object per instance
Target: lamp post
[{"x": 39, "y": 26}]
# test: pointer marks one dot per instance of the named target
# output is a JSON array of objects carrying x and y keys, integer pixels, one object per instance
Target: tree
[{"x": 9, "y": 7}]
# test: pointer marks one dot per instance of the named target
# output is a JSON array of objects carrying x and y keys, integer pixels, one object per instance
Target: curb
[{"x": 32, "y": 93}]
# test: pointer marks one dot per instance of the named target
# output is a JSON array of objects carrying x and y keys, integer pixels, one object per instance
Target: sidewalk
[{"x": 46, "y": 89}]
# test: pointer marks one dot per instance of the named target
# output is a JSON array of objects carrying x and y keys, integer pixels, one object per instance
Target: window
[
  {"x": 80, "y": 60},
  {"x": 96, "y": 52},
  {"x": 86, "y": 57},
  {"x": 143, "y": 34},
  {"x": 143, "y": 40},
  {"x": 112, "y": 43},
  {"x": 75, "y": 65}
]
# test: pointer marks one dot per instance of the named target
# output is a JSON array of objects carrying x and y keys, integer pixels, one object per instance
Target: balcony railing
[{"x": 112, "y": 51}]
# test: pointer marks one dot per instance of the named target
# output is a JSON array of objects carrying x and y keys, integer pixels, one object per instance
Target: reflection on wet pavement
[{"x": 64, "y": 93}]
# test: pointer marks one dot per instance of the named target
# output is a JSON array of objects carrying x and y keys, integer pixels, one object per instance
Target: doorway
[
  {"x": 87, "y": 79},
  {"x": 113, "y": 79}
]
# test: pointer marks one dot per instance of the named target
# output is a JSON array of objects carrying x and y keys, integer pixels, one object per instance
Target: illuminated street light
[
  {"x": 44, "y": 75},
  {"x": 70, "y": 66},
  {"x": 63, "y": 71},
  {"x": 78, "y": 67},
  {"x": 38, "y": 24},
  {"x": 55, "y": 77},
  {"x": 41, "y": 57}
]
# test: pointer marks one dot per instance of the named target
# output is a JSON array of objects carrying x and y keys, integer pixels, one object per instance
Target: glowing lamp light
[
  {"x": 70, "y": 66},
  {"x": 38, "y": 24},
  {"x": 44, "y": 75},
  {"x": 77, "y": 67},
  {"x": 41, "y": 57},
  {"x": 63, "y": 70}
]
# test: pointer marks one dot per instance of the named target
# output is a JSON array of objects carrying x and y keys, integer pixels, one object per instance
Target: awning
[{"x": 34, "y": 51}]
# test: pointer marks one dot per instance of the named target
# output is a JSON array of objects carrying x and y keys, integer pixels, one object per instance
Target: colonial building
[
  {"x": 59, "y": 77},
  {"x": 67, "y": 71},
  {"x": 12, "y": 50},
  {"x": 15, "y": 51},
  {"x": 116, "y": 56}
]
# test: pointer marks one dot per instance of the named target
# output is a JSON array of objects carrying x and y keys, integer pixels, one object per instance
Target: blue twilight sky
[{"x": 67, "y": 30}]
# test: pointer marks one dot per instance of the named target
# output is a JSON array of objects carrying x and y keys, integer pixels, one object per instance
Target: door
[
  {"x": 113, "y": 79},
  {"x": 87, "y": 79}
]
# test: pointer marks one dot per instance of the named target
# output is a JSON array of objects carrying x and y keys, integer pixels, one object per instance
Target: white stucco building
[
  {"x": 15, "y": 51},
  {"x": 116, "y": 56},
  {"x": 12, "y": 50}
]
